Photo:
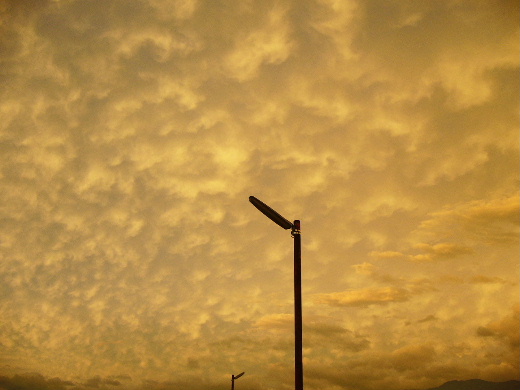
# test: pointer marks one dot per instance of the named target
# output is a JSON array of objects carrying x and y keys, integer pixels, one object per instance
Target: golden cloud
[
  {"x": 364, "y": 297},
  {"x": 494, "y": 221},
  {"x": 440, "y": 251},
  {"x": 387, "y": 254},
  {"x": 277, "y": 322}
]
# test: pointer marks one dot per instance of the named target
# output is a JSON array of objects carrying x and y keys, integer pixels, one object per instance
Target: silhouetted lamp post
[
  {"x": 233, "y": 377},
  {"x": 295, "y": 233}
]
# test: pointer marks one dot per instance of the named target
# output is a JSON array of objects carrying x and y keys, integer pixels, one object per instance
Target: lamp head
[
  {"x": 270, "y": 213},
  {"x": 238, "y": 376}
]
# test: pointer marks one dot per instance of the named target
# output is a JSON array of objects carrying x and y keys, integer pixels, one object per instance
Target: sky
[{"x": 132, "y": 133}]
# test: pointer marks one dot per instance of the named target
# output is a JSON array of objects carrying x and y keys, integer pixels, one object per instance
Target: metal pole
[{"x": 298, "y": 339}]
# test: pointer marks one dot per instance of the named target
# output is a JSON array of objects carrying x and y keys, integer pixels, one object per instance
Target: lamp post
[
  {"x": 233, "y": 377},
  {"x": 295, "y": 233}
]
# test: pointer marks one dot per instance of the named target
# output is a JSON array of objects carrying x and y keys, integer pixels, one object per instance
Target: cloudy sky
[{"x": 133, "y": 131}]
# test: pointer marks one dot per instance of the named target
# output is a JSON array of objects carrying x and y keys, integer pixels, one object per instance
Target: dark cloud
[
  {"x": 428, "y": 318},
  {"x": 34, "y": 382},
  {"x": 324, "y": 336},
  {"x": 504, "y": 329},
  {"x": 98, "y": 382},
  {"x": 484, "y": 332},
  {"x": 486, "y": 279}
]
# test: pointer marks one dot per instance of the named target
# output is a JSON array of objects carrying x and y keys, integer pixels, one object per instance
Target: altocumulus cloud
[
  {"x": 365, "y": 297},
  {"x": 132, "y": 133}
]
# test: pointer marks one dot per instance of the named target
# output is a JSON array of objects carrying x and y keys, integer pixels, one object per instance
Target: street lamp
[
  {"x": 295, "y": 233},
  {"x": 233, "y": 377}
]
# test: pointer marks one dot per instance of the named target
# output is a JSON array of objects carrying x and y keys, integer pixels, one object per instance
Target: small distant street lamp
[
  {"x": 233, "y": 377},
  {"x": 295, "y": 233}
]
